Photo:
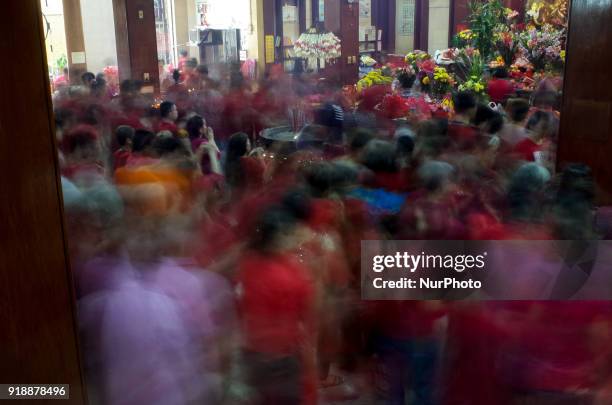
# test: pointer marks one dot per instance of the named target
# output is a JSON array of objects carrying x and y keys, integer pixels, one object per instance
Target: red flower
[
  {"x": 427, "y": 65},
  {"x": 393, "y": 106}
]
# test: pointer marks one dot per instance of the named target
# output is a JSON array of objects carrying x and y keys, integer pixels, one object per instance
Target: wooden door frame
[{"x": 39, "y": 340}]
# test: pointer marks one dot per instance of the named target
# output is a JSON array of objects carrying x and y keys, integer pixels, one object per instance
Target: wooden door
[
  {"x": 586, "y": 115},
  {"x": 38, "y": 337}
]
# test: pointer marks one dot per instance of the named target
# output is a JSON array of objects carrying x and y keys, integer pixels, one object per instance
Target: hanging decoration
[{"x": 318, "y": 45}]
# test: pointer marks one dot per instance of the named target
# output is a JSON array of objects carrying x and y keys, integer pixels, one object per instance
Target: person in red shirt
[
  {"x": 542, "y": 126},
  {"x": 499, "y": 87},
  {"x": 169, "y": 115},
  {"x": 276, "y": 299},
  {"x": 123, "y": 137},
  {"x": 460, "y": 130}
]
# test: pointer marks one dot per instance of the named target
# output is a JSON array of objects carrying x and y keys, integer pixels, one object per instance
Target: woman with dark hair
[
  {"x": 82, "y": 150},
  {"x": 143, "y": 152},
  {"x": 169, "y": 114},
  {"x": 242, "y": 168},
  {"x": 542, "y": 129},
  {"x": 202, "y": 141}
]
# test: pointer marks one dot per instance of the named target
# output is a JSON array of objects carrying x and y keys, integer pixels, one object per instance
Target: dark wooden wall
[
  {"x": 38, "y": 338},
  {"x": 421, "y": 24},
  {"x": 342, "y": 19},
  {"x": 136, "y": 41},
  {"x": 383, "y": 17},
  {"x": 586, "y": 114},
  {"x": 458, "y": 13}
]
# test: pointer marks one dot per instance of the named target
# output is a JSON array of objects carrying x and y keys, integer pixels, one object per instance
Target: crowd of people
[{"x": 215, "y": 266}]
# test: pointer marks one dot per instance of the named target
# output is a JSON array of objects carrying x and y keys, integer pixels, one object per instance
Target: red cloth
[
  {"x": 120, "y": 158},
  {"x": 276, "y": 303},
  {"x": 500, "y": 89},
  {"x": 254, "y": 170},
  {"x": 463, "y": 135},
  {"x": 167, "y": 126},
  {"x": 407, "y": 319},
  {"x": 82, "y": 169},
  {"x": 526, "y": 149}
]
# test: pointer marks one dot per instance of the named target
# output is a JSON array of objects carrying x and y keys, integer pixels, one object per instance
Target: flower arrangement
[
  {"x": 441, "y": 82},
  {"x": 476, "y": 86},
  {"x": 463, "y": 38},
  {"x": 497, "y": 62},
  {"x": 312, "y": 44},
  {"x": 542, "y": 47},
  {"x": 393, "y": 106},
  {"x": 375, "y": 77},
  {"x": 416, "y": 58},
  {"x": 485, "y": 17},
  {"x": 506, "y": 44},
  {"x": 467, "y": 64},
  {"x": 553, "y": 12}
]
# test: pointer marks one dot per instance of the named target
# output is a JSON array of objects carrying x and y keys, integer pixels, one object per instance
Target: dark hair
[
  {"x": 464, "y": 101},
  {"x": 379, "y": 156},
  {"x": 202, "y": 69},
  {"x": 184, "y": 53},
  {"x": 271, "y": 225},
  {"x": 176, "y": 76},
  {"x": 123, "y": 133},
  {"x": 320, "y": 178},
  {"x": 168, "y": 145},
  {"x": 99, "y": 83},
  {"x": 236, "y": 148},
  {"x": 62, "y": 116},
  {"x": 130, "y": 86},
  {"x": 500, "y": 73},
  {"x": 493, "y": 119},
  {"x": 359, "y": 139},
  {"x": 193, "y": 126},
  {"x": 404, "y": 146},
  {"x": 81, "y": 136},
  {"x": 298, "y": 202},
  {"x": 519, "y": 108},
  {"x": 142, "y": 140},
  {"x": 165, "y": 108},
  {"x": 546, "y": 117},
  {"x": 406, "y": 79},
  {"x": 87, "y": 78}
]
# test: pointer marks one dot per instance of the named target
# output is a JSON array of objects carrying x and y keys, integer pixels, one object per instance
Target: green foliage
[
  {"x": 61, "y": 62},
  {"x": 485, "y": 16}
]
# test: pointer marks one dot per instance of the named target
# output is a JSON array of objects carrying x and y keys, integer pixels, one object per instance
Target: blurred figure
[
  {"x": 277, "y": 305},
  {"x": 499, "y": 87}
]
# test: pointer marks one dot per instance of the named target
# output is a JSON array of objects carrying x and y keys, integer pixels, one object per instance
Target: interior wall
[
  {"x": 439, "y": 13},
  {"x": 99, "y": 33},
  {"x": 181, "y": 24},
  {"x": 404, "y": 25}
]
